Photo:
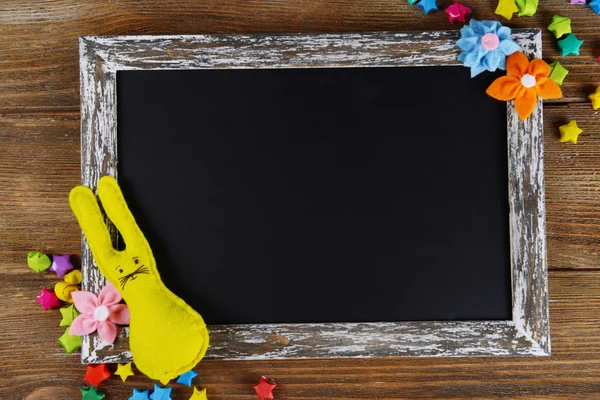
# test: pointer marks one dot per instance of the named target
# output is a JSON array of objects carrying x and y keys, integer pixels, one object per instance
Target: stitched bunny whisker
[{"x": 124, "y": 279}]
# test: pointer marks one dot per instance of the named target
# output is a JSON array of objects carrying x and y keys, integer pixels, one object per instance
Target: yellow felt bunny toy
[{"x": 167, "y": 337}]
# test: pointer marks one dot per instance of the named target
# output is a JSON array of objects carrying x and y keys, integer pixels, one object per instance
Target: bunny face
[
  {"x": 128, "y": 270},
  {"x": 124, "y": 269}
]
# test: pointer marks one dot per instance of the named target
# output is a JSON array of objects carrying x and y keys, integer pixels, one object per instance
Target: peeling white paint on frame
[{"x": 526, "y": 334}]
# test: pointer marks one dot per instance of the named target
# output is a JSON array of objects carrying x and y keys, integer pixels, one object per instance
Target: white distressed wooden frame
[{"x": 528, "y": 331}]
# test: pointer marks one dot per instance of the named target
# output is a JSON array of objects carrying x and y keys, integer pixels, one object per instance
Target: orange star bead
[
  {"x": 95, "y": 374},
  {"x": 525, "y": 82}
]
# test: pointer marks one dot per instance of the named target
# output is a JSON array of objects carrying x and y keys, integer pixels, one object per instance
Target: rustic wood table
[{"x": 39, "y": 164}]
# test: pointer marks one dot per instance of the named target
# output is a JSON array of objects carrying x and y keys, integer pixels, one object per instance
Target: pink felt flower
[{"x": 100, "y": 313}]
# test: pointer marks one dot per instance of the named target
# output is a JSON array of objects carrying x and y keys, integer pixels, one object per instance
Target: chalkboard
[
  {"x": 321, "y": 195},
  {"x": 330, "y": 195}
]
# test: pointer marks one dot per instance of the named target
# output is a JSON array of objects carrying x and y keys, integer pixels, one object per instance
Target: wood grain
[
  {"x": 572, "y": 188},
  {"x": 39, "y": 163},
  {"x": 38, "y": 38},
  {"x": 33, "y": 362}
]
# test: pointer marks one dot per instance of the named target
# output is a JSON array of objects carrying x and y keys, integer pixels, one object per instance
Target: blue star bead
[
  {"x": 569, "y": 45},
  {"x": 161, "y": 393},
  {"x": 186, "y": 378},
  {"x": 428, "y": 5},
  {"x": 595, "y": 5},
  {"x": 140, "y": 395}
]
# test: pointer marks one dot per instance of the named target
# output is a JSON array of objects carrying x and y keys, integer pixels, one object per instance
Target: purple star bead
[
  {"x": 577, "y": 1},
  {"x": 47, "y": 299},
  {"x": 61, "y": 264}
]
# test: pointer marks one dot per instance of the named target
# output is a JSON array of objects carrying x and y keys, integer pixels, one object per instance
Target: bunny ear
[
  {"x": 86, "y": 209},
  {"x": 116, "y": 208}
]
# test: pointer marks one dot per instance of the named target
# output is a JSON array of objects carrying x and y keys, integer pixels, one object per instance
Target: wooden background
[{"x": 39, "y": 164}]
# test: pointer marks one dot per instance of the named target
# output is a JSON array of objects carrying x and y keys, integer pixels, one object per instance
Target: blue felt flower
[{"x": 485, "y": 46}]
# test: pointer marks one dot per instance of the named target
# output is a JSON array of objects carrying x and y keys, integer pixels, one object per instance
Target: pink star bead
[
  {"x": 48, "y": 299},
  {"x": 458, "y": 12},
  {"x": 61, "y": 264}
]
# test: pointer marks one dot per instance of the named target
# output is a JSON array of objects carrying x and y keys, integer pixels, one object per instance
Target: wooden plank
[
  {"x": 38, "y": 39},
  {"x": 39, "y": 164},
  {"x": 572, "y": 187},
  {"x": 329, "y": 50},
  {"x": 33, "y": 363}
]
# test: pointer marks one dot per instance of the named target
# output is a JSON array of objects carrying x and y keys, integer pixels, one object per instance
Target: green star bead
[
  {"x": 560, "y": 26},
  {"x": 68, "y": 315},
  {"x": 527, "y": 8},
  {"x": 91, "y": 393},
  {"x": 412, "y": 2},
  {"x": 39, "y": 262},
  {"x": 70, "y": 342},
  {"x": 569, "y": 45},
  {"x": 558, "y": 73}
]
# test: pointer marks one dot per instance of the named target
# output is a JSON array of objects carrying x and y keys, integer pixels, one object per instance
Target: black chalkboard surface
[{"x": 321, "y": 195}]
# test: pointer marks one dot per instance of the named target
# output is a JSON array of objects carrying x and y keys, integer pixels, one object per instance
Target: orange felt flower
[{"x": 524, "y": 83}]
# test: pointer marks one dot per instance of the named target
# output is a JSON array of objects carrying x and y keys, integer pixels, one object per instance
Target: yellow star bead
[
  {"x": 199, "y": 394},
  {"x": 63, "y": 291},
  {"x": 506, "y": 8},
  {"x": 569, "y": 132},
  {"x": 595, "y": 98},
  {"x": 124, "y": 371},
  {"x": 73, "y": 277}
]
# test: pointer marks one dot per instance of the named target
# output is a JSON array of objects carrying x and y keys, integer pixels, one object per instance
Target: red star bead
[
  {"x": 48, "y": 299},
  {"x": 96, "y": 374},
  {"x": 458, "y": 12},
  {"x": 264, "y": 389}
]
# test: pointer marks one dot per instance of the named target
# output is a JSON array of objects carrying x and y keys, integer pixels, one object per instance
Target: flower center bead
[
  {"x": 101, "y": 313},
  {"x": 490, "y": 41},
  {"x": 528, "y": 81}
]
